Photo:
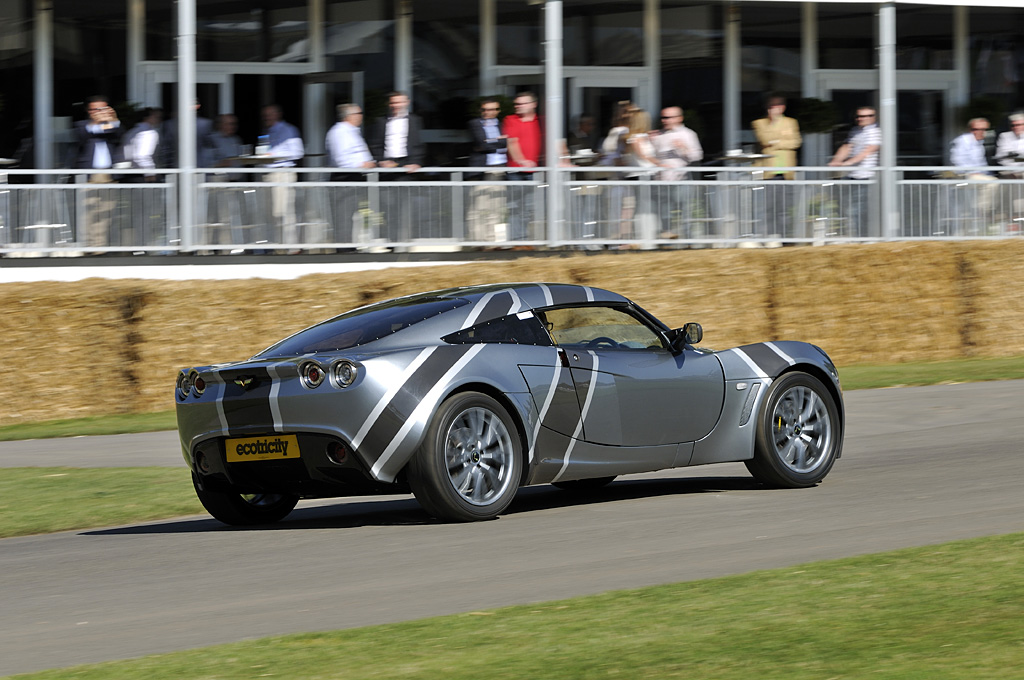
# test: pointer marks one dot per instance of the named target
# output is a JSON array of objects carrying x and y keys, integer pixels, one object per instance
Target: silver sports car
[{"x": 464, "y": 395}]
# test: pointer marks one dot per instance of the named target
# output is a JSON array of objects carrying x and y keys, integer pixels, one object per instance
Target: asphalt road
[{"x": 920, "y": 466}]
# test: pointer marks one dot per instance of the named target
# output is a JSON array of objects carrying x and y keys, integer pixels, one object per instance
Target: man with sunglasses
[
  {"x": 860, "y": 153},
  {"x": 490, "y": 149},
  {"x": 1010, "y": 147},
  {"x": 968, "y": 153}
]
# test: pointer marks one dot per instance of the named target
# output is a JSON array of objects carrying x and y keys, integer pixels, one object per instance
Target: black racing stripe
[
  {"x": 566, "y": 295},
  {"x": 247, "y": 408},
  {"x": 766, "y": 359},
  {"x": 564, "y": 411},
  {"x": 497, "y": 307},
  {"x": 405, "y": 401}
]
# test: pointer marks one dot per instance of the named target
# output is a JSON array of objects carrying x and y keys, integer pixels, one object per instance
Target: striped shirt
[{"x": 860, "y": 139}]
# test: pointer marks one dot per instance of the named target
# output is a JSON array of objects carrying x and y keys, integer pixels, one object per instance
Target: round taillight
[
  {"x": 184, "y": 384},
  {"x": 312, "y": 374},
  {"x": 344, "y": 373},
  {"x": 337, "y": 452},
  {"x": 198, "y": 385}
]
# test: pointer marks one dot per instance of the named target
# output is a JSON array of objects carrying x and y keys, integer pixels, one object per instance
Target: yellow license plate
[{"x": 275, "y": 447}]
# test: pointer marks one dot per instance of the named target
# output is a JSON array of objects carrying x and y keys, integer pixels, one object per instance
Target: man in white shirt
[
  {"x": 967, "y": 152},
  {"x": 142, "y": 141},
  {"x": 347, "y": 149},
  {"x": 1010, "y": 147},
  {"x": 676, "y": 146},
  {"x": 396, "y": 142},
  {"x": 285, "y": 149}
]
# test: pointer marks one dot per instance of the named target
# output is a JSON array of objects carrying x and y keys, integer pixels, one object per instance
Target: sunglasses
[{"x": 489, "y": 108}]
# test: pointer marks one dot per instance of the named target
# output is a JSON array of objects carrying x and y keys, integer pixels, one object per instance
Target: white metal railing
[{"x": 50, "y": 212}]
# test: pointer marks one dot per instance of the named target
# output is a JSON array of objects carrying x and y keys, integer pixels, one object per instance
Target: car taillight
[
  {"x": 312, "y": 374},
  {"x": 184, "y": 384},
  {"x": 198, "y": 384},
  {"x": 344, "y": 373}
]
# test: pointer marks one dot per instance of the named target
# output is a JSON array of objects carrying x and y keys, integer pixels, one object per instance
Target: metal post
[
  {"x": 43, "y": 89},
  {"x": 553, "y": 114},
  {"x": 652, "y": 51},
  {"x": 811, "y": 151},
  {"x": 403, "y": 47},
  {"x": 315, "y": 94},
  {"x": 187, "y": 119},
  {"x": 488, "y": 47},
  {"x": 136, "y": 49},
  {"x": 732, "y": 74},
  {"x": 887, "y": 119}
]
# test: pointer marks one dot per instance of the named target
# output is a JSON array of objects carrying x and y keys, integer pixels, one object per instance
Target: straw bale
[{"x": 97, "y": 347}]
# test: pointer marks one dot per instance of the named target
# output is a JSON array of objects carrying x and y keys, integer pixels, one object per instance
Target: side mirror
[{"x": 690, "y": 334}]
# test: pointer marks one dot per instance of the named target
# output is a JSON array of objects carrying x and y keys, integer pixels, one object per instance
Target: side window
[
  {"x": 515, "y": 329},
  {"x": 599, "y": 327}
]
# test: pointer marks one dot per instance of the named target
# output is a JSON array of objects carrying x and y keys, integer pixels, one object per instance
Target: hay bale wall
[{"x": 98, "y": 347}]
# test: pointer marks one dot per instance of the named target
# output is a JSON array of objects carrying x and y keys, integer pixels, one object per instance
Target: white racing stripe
[
  {"x": 423, "y": 409},
  {"x": 389, "y": 395},
  {"x": 547, "y": 404},
  {"x": 750, "y": 362},
  {"x": 220, "y": 402},
  {"x": 477, "y": 308},
  {"x": 275, "y": 389},
  {"x": 785, "y": 357},
  {"x": 583, "y": 416}
]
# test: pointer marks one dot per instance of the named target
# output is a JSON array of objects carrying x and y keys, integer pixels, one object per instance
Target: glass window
[
  {"x": 512, "y": 330},
  {"x": 360, "y": 38},
  {"x": 364, "y": 325},
  {"x": 230, "y": 31},
  {"x": 519, "y": 33},
  {"x": 691, "y": 66},
  {"x": 924, "y": 37},
  {"x": 603, "y": 33},
  {"x": 16, "y": 118},
  {"x": 997, "y": 61},
  {"x": 596, "y": 327},
  {"x": 846, "y": 36},
  {"x": 89, "y": 54},
  {"x": 770, "y": 62},
  {"x": 446, "y": 45}
]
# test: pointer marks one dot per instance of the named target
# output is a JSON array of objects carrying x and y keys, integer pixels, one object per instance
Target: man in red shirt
[{"x": 525, "y": 132}]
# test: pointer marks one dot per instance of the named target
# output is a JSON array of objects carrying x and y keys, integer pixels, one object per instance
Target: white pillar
[
  {"x": 961, "y": 56},
  {"x": 553, "y": 114},
  {"x": 887, "y": 118},
  {"x": 652, "y": 52},
  {"x": 811, "y": 151},
  {"x": 136, "y": 50},
  {"x": 43, "y": 84},
  {"x": 488, "y": 47},
  {"x": 732, "y": 76},
  {"x": 314, "y": 121},
  {"x": 186, "y": 118},
  {"x": 403, "y": 46}
]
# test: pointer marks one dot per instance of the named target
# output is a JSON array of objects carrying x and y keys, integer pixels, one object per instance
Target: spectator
[
  {"x": 582, "y": 137},
  {"x": 676, "y": 147},
  {"x": 142, "y": 143},
  {"x": 778, "y": 135},
  {"x": 227, "y": 206},
  {"x": 859, "y": 152},
  {"x": 525, "y": 132},
  {"x": 204, "y": 141},
  {"x": 1010, "y": 147},
  {"x": 226, "y": 145},
  {"x": 397, "y": 142},
  {"x": 285, "y": 149},
  {"x": 967, "y": 152},
  {"x": 97, "y": 147},
  {"x": 347, "y": 149},
  {"x": 490, "y": 149}
]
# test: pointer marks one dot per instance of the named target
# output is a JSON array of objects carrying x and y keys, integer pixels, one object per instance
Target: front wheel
[
  {"x": 239, "y": 509},
  {"x": 469, "y": 465},
  {"x": 798, "y": 433}
]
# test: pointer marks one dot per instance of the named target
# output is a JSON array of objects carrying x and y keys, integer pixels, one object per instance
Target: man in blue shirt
[{"x": 285, "y": 149}]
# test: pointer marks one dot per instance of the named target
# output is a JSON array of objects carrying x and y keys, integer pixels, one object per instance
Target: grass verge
[
  {"x": 853, "y": 377},
  {"x": 951, "y": 611},
  {"x": 44, "y": 500}
]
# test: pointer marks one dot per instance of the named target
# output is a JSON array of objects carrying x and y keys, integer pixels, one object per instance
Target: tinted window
[
  {"x": 361, "y": 326},
  {"x": 508, "y": 330}
]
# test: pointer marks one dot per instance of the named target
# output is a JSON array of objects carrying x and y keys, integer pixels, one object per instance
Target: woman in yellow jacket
[{"x": 779, "y": 137}]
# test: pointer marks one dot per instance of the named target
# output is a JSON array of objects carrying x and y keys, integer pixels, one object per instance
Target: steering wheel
[{"x": 602, "y": 340}]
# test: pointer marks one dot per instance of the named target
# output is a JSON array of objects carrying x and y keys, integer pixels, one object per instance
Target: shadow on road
[{"x": 407, "y": 512}]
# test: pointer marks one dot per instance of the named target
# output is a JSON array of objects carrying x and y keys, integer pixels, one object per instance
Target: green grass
[
  {"x": 952, "y": 611},
  {"x": 44, "y": 500},
  {"x": 853, "y": 377}
]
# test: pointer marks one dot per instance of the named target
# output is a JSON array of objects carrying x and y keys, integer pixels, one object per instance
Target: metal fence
[{"x": 309, "y": 209}]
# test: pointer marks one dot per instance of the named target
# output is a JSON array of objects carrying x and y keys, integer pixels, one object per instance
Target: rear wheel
[
  {"x": 469, "y": 465},
  {"x": 245, "y": 509},
  {"x": 798, "y": 433}
]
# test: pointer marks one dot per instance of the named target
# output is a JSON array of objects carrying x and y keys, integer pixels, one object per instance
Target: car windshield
[{"x": 363, "y": 325}]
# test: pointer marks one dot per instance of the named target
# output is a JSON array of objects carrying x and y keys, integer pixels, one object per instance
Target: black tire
[
  {"x": 584, "y": 484},
  {"x": 245, "y": 509},
  {"x": 470, "y": 463},
  {"x": 799, "y": 433}
]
